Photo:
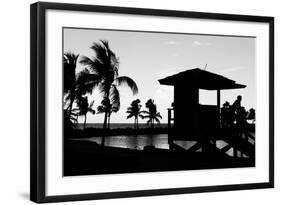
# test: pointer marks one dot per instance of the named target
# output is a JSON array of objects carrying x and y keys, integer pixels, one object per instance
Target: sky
[{"x": 147, "y": 57}]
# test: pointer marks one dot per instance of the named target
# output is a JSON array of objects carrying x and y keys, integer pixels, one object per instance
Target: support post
[
  {"x": 219, "y": 105},
  {"x": 170, "y": 141}
]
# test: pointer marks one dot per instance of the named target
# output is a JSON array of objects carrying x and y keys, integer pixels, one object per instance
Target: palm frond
[
  {"x": 146, "y": 112},
  {"x": 66, "y": 99},
  {"x": 103, "y": 89},
  {"x": 93, "y": 112},
  {"x": 100, "y": 109},
  {"x": 91, "y": 103},
  {"x": 158, "y": 115},
  {"x": 116, "y": 69},
  {"x": 141, "y": 116},
  {"x": 110, "y": 53},
  {"x": 69, "y": 119},
  {"x": 100, "y": 51},
  {"x": 157, "y": 120},
  {"x": 130, "y": 115},
  {"x": 96, "y": 66},
  {"x": 149, "y": 121},
  {"x": 129, "y": 110},
  {"x": 115, "y": 97},
  {"x": 86, "y": 82},
  {"x": 73, "y": 118},
  {"x": 124, "y": 80},
  {"x": 105, "y": 44},
  {"x": 103, "y": 53},
  {"x": 70, "y": 58},
  {"x": 114, "y": 109},
  {"x": 86, "y": 61},
  {"x": 69, "y": 69}
]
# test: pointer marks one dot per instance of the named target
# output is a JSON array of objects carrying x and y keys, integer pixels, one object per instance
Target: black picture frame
[{"x": 38, "y": 100}]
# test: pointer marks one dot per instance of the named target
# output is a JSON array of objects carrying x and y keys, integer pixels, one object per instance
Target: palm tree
[
  {"x": 86, "y": 82},
  {"x": 134, "y": 111},
  {"x": 104, "y": 66},
  {"x": 113, "y": 105},
  {"x": 152, "y": 113},
  {"x": 69, "y": 69},
  {"x": 84, "y": 107},
  {"x": 70, "y": 120}
]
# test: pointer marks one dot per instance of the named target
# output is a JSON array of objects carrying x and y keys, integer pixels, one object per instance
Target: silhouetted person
[
  {"x": 235, "y": 109},
  {"x": 252, "y": 115},
  {"x": 226, "y": 119},
  {"x": 233, "y": 113},
  {"x": 237, "y": 103},
  {"x": 241, "y": 117}
]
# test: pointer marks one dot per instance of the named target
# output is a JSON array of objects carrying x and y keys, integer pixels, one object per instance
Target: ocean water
[
  {"x": 121, "y": 125},
  {"x": 139, "y": 141}
]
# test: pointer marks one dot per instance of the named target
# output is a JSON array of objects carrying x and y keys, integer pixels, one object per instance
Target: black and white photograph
[
  {"x": 134, "y": 102},
  {"x": 143, "y": 101}
]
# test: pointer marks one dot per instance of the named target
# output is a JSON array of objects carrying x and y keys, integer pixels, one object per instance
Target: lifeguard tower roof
[{"x": 201, "y": 79}]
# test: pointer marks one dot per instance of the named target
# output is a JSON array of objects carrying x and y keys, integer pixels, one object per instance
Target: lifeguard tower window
[{"x": 207, "y": 97}]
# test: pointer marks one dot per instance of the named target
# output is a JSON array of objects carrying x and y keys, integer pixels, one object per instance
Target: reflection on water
[
  {"x": 135, "y": 141},
  {"x": 139, "y": 141}
]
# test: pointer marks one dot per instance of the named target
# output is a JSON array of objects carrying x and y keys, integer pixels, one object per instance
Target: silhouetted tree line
[
  {"x": 151, "y": 113},
  {"x": 101, "y": 72}
]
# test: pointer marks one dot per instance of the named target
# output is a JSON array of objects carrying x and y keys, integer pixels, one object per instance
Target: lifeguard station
[{"x": 190, "y": 121}]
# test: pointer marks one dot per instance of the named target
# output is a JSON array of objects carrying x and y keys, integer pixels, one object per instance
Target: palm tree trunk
[
  {"x": 85, "y": 119},
  {"x": 70, "y": 105},
  {"x": 108, "y": 123},
  {"x": 104, "y": 127},
  {"x": 137, "y": 123},
  {"x": 77, "y": 120},
  {"x": 105, "y": 120},
  {"x": 106, "y": 113}
]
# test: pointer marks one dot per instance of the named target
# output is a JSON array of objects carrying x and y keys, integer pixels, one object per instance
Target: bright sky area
[{"x": 147, "y": 57}]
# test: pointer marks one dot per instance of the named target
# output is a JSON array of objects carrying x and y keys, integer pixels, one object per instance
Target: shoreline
[{"x": 99, "y": 132}]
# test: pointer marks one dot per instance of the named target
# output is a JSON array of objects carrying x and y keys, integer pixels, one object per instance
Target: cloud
[
  {"x": 171, "y": 42},
  {"x": 232, "y": 69},
  {"x": 143, "y": 45},
  {"x": 174, "y": 54},
  {"x": 198, "y": 43},
  {"x": 167, "y": 72}
]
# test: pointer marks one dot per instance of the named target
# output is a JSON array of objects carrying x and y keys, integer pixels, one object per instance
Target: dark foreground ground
[{"x": 89, "y": 158}]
